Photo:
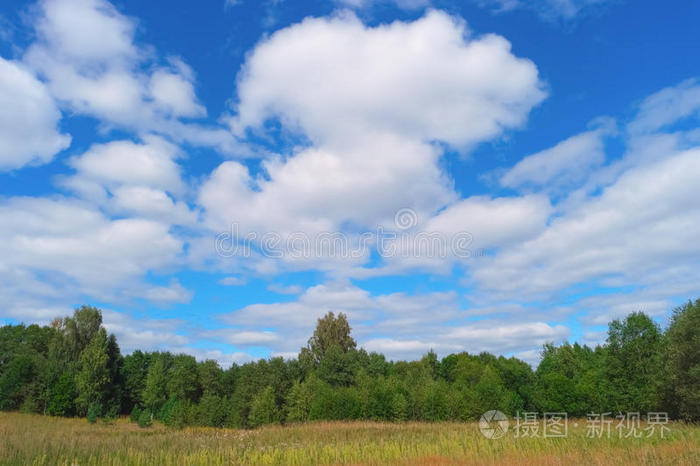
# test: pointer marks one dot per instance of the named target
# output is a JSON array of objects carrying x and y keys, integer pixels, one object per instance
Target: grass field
[{"x": 31, "y": 439}]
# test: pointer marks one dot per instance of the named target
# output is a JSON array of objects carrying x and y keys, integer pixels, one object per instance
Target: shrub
[
  {"x": 135, "y": 413},
  {"x": 145, "y": 419},
  {"x": 94, "y": 411}
]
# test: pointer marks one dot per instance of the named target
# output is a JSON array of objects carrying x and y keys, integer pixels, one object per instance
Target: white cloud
[
  {"x": 372, "y": 100},
  {"x": 642, "y": 223},
  {"x": 405, "y": 4},
  {"x": 71, "y": 244},
  {"x": 494, "y": 222},
  {"x": 106, "y": 174},
  {"x": 547, "y": 9},
  {"x": 232, "y": 281},
  {"x": 464, "y": 230},
  {"x": 175, "y": 94},
  {"x": 28, "y": 119},
  {"x": 173, "y": 293},
  {"x": 87, "y": 54},
  {"x": 242, "y": 337},
  {"x": 281, "y": 289},
  {"x": 485, "y": 336},
  {"x": 143, "y": 333},
  {"x": 562, "y": 166},
  {"x": 667, "y": 107},
  {"x": 319, "y": 190},
  {"x": 116, "y": 163},
  {"x": 425, "y": 80},
  {"x": 397, "y": 324}
]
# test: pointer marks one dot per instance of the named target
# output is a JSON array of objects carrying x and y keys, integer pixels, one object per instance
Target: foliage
[
  {"x": 145, "y": 419},
  {"x": 74, "y": 367},
  {"x": 93, "y": 412},
  {"x": 330, "y": 331},
  {"x": 264, "y": 410},
  {"x": 682, "y": 360}
]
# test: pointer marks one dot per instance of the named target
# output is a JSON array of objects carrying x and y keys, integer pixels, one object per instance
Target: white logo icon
[{"x": 493, "y": 424}]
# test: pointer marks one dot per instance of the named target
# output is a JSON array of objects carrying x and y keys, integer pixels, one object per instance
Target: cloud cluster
[
  {"x": 371, "y": 111},
  {"x": 87, "y": 54},
  {"x": 28, "y": 119},
  {"x": 375, "y": 104}
]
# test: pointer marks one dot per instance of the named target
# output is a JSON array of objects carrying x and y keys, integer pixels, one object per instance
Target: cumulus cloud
[
  {"x": 106, "y": 175},
  {"x": 644, "y": 220},
  {"x": 66, "y": 243},
  {"x": 425, "y": 80},
  {"x": 28, "y": 119},
  {"x": 87, "y": 54},
  {"x": 372, "y": 101}
]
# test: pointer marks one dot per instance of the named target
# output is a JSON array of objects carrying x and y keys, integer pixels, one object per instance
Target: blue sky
[{"x": 217, "y": 175}]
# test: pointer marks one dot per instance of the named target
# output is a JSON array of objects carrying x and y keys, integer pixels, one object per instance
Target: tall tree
[
  {"x": 330, "y": 331},
  {"x": 155, "y": 392},
  {"x": 80, "y": 329},
  {"x": 183, "y": 383},
  {"x": 635, "y": 351},
  {"x": 93, "y": 378},
  {"x": 683, "y": 361}
]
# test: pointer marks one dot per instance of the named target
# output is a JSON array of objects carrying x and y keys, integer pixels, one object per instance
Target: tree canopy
[{"x": 74, "y": 367}]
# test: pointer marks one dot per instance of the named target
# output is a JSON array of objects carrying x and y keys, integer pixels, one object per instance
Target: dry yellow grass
[{"x": 36, "y": 440}]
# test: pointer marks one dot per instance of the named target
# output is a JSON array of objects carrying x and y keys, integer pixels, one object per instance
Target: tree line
[{"x": 74, "y": 368}]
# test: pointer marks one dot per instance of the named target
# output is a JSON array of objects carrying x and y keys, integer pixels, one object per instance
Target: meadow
[{"x": 29, "y": 439}]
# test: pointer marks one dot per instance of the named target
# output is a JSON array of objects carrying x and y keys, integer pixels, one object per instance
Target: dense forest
[{"x": 74, "y": 368}]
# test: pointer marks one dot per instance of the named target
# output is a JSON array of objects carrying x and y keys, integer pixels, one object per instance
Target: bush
[
  {"x": 94, "y": 411},
  {"x": 145, "y": 419},
  {"x": 135, "y": 413},
  {"x": 110, "y": 415}
]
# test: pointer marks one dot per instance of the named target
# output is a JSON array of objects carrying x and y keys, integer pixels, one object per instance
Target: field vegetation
[{"x": 36, "y": 440}]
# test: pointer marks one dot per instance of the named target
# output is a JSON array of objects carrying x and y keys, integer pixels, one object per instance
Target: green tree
[
  {"x": 15, "y": 380},
  {"x": 264, "y": 410},
  {"x": 635, "y": 364},
  {"x": 211, "y": 378},
  {"x": 80, "y": 329},
  {"x": 682, "y": 360},
  {"x": 134, "y": 372},
  {"x": 301, "y": 398},
  {"x": 337, "y": 367},
  {"x": 155, "y": 392},
  {"x": 330, "y": 331},
  {"x": 183, "y": 379},
  {"x": 93, "y": 378}
]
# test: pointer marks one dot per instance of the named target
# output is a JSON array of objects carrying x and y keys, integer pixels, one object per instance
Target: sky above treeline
[{"x": 484, "y": 175}]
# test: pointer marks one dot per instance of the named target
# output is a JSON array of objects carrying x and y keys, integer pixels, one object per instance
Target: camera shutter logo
[{"x": 493, "y": 424}]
